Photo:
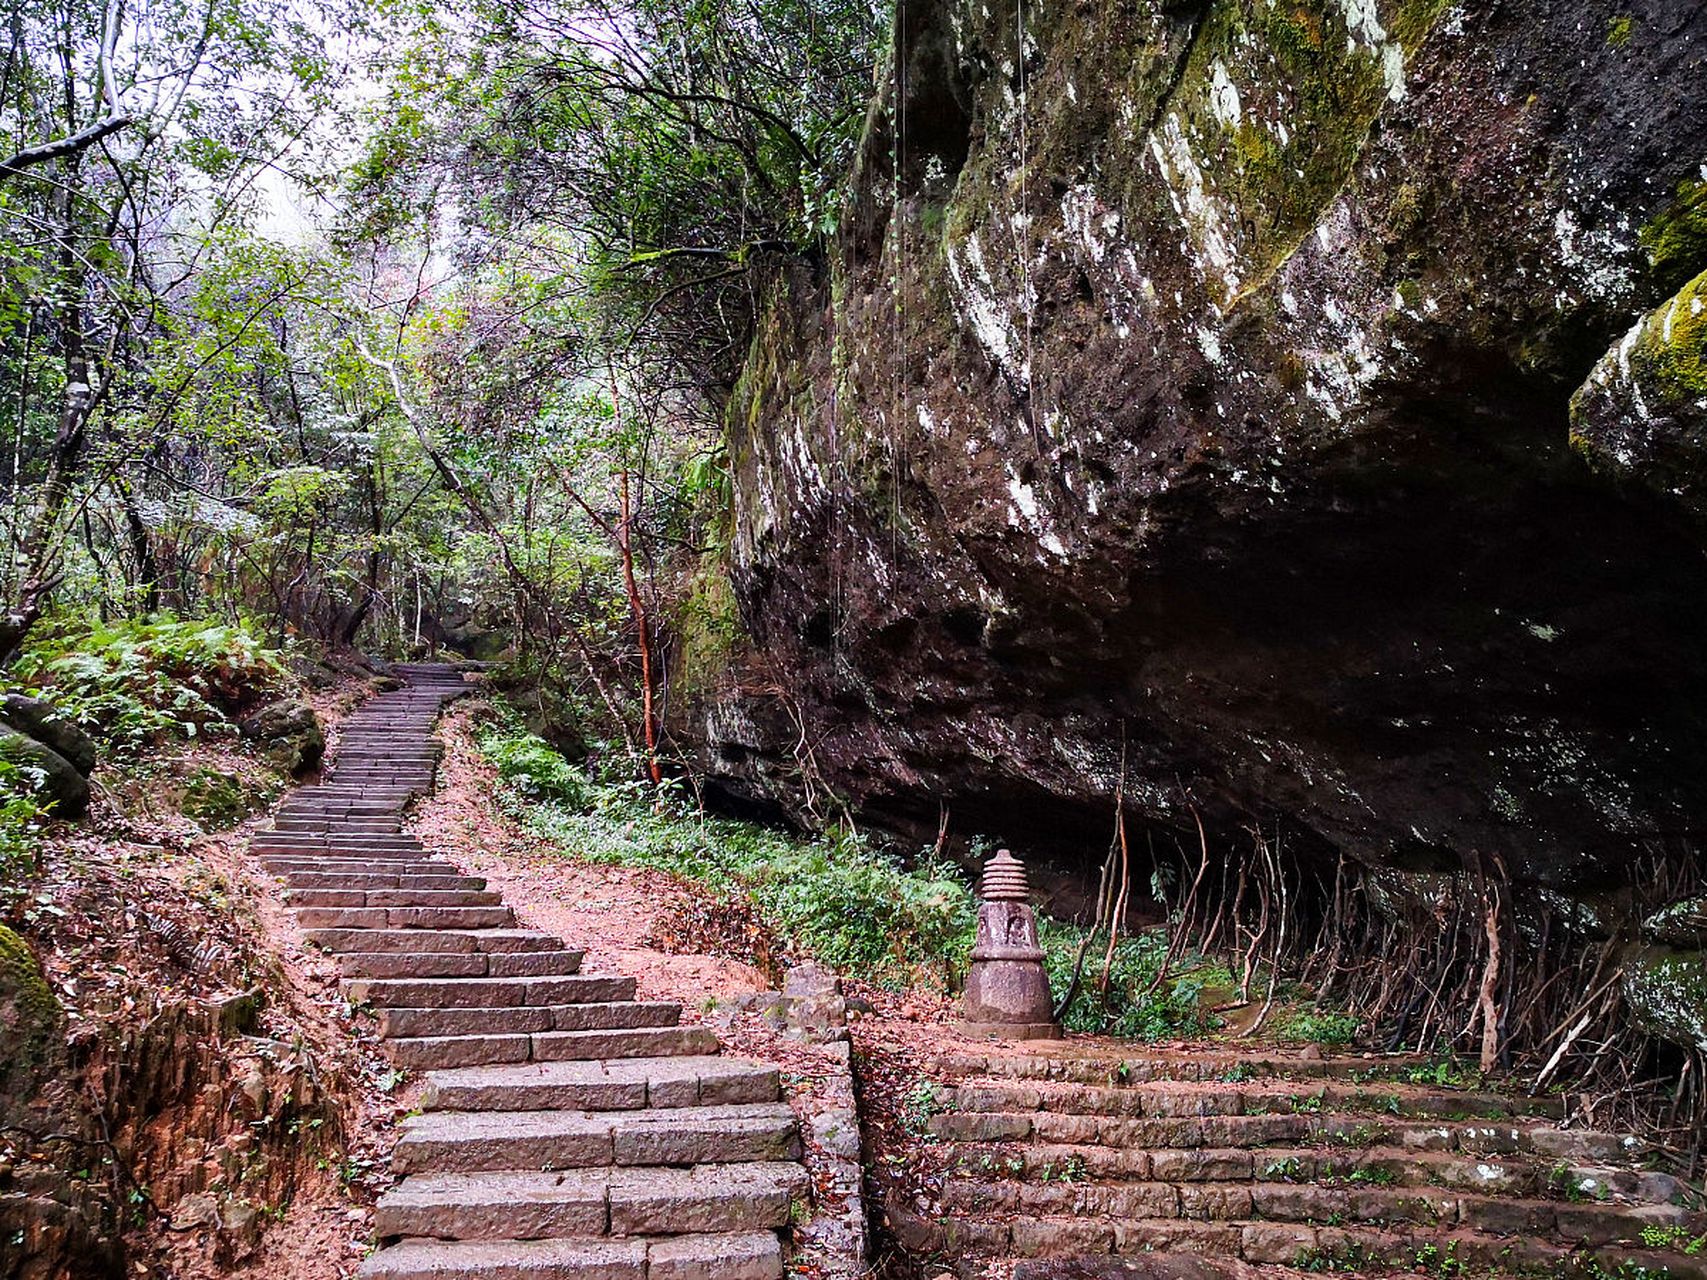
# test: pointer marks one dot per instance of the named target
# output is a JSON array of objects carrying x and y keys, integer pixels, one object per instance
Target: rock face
[
  {"x": 54, "y": 731},
  {"x": 1196, "y": 389}
]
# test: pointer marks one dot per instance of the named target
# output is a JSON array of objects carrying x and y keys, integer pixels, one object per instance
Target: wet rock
[
  {"x": 1682, "y": 924},
  {"x": 39, "y": 720},
  {"x": 195, "y": 1210},
  {"x": 54, "y": 778},
  {"x": 1666, "y": 988},
  {"x": 288, "y": 734}
]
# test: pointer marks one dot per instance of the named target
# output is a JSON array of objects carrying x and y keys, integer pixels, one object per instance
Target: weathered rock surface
[
  {"x": 39, "y": 720},
  {"x": 1200, "y": 381},
  {"x": 53, "y": 777},
  {"x": 289, "y": 734}
]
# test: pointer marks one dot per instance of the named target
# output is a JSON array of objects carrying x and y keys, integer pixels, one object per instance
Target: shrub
[
  {"x": 21, "y": 816},
  {"x": 533, "y": 770},
  {"x": 132, "y": 683}
]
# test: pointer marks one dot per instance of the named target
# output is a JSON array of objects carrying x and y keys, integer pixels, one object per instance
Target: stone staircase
[
  {"x": 1325, "y": 1164},
  {"x": 568, "y": 1129}
]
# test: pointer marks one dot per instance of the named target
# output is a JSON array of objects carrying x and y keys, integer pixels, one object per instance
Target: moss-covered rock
[
  {"x": 288, "y": 734},
  {"x": 1667, "y": 989},
  {"x": 55, "y": 778},
  {"x": 1642, "y": 413},
  {"x": 38, "y": 719},
  {"x": 1682, "y": 924},
  {"x": 30, "y": 1016},
  {"x": 1676, "y": 239},
  {"x": 217, "y": 799}
]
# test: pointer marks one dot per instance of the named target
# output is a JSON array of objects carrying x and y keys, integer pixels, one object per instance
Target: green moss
[
  {"x": 708, "y": 623},
  {"x": 30, "y": 1016},
  {"x": 1671, "y": 355},
  {"x": 216, "y": 799},
  {"x": 1676, "y": 240},
  {"x": 1667, "y": 989},
  {"x": 1619, "y": 29},
  {"x": 1300, "y": 65}
]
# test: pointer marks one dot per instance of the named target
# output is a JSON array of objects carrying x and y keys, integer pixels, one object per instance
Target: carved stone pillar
[{"x": 1007, "y": 991}]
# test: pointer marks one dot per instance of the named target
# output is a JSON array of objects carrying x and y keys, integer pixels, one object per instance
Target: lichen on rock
[
  {"x": 30, "y": 1015},
  {"x": 1667, "y": 989}
]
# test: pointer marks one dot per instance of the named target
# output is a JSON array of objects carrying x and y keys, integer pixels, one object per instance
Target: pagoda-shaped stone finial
[{"x": 1007, "y": 991}]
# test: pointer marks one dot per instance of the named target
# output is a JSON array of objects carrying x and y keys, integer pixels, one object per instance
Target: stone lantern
[{"x": 1007, "y": 991}]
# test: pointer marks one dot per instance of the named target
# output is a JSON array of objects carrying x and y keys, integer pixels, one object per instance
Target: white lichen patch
[
  {"x": 1212, "y": 245},
  {"x": 985, "y": 309},
  {"x": 1223, "y": 95}
]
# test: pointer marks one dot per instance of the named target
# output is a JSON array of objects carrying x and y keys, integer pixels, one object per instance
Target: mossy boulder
[
  {"x": 216, "y": 799},
  {"x": 288, "y": 734},
  {"x": 30, "y": 1016},
  {"x": 1642, "y": 413},
  {"x": 1682, "y": 924},
  {"x": 55, "y": 778},
  {"x": 1666, "y": 988},
  {"x": 41, "y": 721}
]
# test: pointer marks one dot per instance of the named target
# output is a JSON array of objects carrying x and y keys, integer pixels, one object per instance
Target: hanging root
[{"x": 1458, "y": 963}]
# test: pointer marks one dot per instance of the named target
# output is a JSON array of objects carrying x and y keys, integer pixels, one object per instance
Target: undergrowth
[
  {"x": 837, "y": 897},
  {"x": 133, "y": 683}
]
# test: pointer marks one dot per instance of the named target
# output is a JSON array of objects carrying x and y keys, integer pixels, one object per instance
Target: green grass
[{"x": 837, "y": 897}]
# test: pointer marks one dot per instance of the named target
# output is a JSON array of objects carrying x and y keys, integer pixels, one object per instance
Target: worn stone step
[
  {"x": 482, "y": 1141},
  {"x": 1403, "y": 1248},
  {"x": 493, "y": 941},
  {"x": 489, "y": 993},
  {"x": 604, "y": 1085},
  {"x": 485, "y": 1049},
  {"x": 1209, "y": 1065},
  {"x": 592, "y": 1202},
  {"x": 298, "y": 865},
  {"x": 1171, "y": 1099},
  {"x": 1527, "y": 1176},
  {"x": 392, "y": 898},
  {"x": 371, "y": 880},
  {"x": 615, "y": 1016},
  {"x": 450, "y": 964},
  {"x": 1351, "y": 1132},
  {"x": 736, "y": 1256},
  {"x": 406, "y": 917},
  {"x": 1589, "y": 1224},
  {"x": 638, "y": 1042},
  {"x": 503, "y": 1021}
]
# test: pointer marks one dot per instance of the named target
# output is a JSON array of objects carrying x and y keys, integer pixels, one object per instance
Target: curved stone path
[{"x": 569, "y": 1129}]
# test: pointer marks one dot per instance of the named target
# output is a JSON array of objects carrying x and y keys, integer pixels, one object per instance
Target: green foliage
[
  {"x": 129, "y": 684},
  {"x": 1129, "y": 1008},
  {"x": 834, "y": 897},
  {"x": 534, "y": 771},
  {"x": 1323, "y": 1027},
  {"x": 1619, "y": 29},
  {"x": 21, "y": 818}
]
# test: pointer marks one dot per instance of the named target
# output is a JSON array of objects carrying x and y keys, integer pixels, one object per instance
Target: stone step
[
  {"x": 1172, "y": 1099},
  {"x": 1486, "y": 1138},
  {"x": 1208, "y": 1065},
  {"x": 397, "y": 940},
  {"x": 488, "y": 993},
  {"x": 491, "y": 1048},
  {"x": 527, "y": 1019},
  {"x": 452, "y": 964},
  {"x": 371, "y": 880},
  {"x": 484, "y": 1141},
  {"x": 1588, "y": 1224},
  {"x": 604, "y": 1085},
  {"x": 591, "y": 1202},
  {"x": 640, "y": 1042},
  {"x": 392, "y": 898},
  {"x": 296, "y": 864},
  {"x": 406, "y": 917},
  {"x": 744, "y": 1256},
  {"x": 1369, "y": 1167}
]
